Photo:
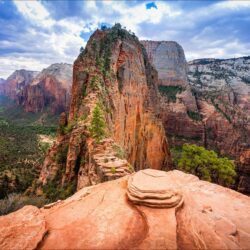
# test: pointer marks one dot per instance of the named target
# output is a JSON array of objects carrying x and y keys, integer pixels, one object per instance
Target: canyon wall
[
  {"x": 113, "y": 73},
  {"x": 222, "y": 88},
  {"x": 47, "y": 91},
  {"x": 205, "y": 102},
  {"x": 16, "y": 82},
  {"x": 178, "y": 104}
]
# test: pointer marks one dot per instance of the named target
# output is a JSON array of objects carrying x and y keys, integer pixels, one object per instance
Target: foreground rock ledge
[{"x": 118, "y": 215}]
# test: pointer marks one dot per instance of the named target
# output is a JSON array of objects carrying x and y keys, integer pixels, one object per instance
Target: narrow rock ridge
[
  {"x": 114, "y": 73},
  {"x": 103, "y": 217}
]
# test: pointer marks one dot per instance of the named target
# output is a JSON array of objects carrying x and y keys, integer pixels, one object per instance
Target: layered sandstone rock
[
  {"x": 114, "y": 73},
  {"x": 169, "y": 60},
  {"x": 102, "y": 217},
  {"x": 151, "y": 188},
  {"x": 222, "y": 89},
  {"x": 49, "y": 90},
  {"x": 16, "y": 82}
]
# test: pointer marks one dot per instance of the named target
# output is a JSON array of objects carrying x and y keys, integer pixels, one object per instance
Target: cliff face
[
  {"x": 177, "y": 102},
  {"x": 222, "y": 89},
  {"x": 205, "y": 102},
  {"x": 182, "y": 213},
  {"x": 49, "y": 90},
  {"x": 16, "y": 82},
  {"x": 114, "y": 74}
]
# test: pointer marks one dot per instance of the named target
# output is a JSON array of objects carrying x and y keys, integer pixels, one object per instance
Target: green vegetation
[
  {"x": 21, "y": 153},
  {"x": 113, "y": 170},
  {"x": 217, "y": 107},
  {"x": 170, "y": 91},
  {"x": 206, "y": 165},
  {"x": 61, "y": 155},
  {"x": 196, "y": 116},
  {"x": 131, "y": 168},
  {"x": 98, "y": 126},
  {"x": 103, "y": 51},
  {"x": 14, "y": 202},
  {"x": 119, "y": 151}
]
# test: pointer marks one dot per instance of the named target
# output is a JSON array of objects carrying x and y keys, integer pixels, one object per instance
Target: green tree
[
  {"x": 98, "y": 127},
  {"x": 206, "y": 165}
]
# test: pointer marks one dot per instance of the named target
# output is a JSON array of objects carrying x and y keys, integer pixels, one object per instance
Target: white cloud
[
  {"x": 35, "y": 11},
  {"x": 47, "y": 40}
]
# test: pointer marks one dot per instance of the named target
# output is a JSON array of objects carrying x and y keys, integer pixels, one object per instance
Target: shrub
[
  {"x": 113, "y": 170},
  {"x": 44, "y": 147},
  {"x": 13, "y": 202},
  {"x": 206, "y": 165},
  {"x": 119, "y": 151},
  {"x": 170, "y": 91},
  {"x": 61, "y": 155},
  {"x": 98, "y": 126},
  {"x": 196, "y": 116}
]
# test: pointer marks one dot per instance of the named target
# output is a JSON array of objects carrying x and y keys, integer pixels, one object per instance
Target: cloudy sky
[{"x": 35, "y": 34}]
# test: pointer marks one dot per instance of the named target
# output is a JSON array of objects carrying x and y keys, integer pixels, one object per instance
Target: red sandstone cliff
[
  {"x": 48, "y": 91},
  {"x": 16, "y": 82},
  {"x": 177, "y": 101},
  {"x": 205, "y": 102},
  {"x": 147, "y": 210},
  {"x": 114, "y": 72}
]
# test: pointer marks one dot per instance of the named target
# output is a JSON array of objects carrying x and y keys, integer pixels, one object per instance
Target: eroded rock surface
[
  {"x": 151, "y": 188},
  {"x": 102, "y": 217},
  {"x": 113, "y": 72},
  {"x": 177, "y": 100},
  {"x": 23, "y": 229}
]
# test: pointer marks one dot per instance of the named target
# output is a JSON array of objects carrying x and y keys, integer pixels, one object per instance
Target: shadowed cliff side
[{"x": 113, "y": 82}]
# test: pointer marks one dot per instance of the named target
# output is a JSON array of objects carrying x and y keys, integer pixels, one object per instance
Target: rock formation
[
  {"x": 222, "y": 89},
  {"x": 16, "y": 82},
  {"x": 49, "y": 90},
  {"x": 177, "y": 101},
  {"x": 205, "y": 102},
  {"x": 113, "y": 73},
  {"x": 207, "y": 216}
]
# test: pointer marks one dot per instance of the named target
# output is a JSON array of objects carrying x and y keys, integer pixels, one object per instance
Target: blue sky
[{"x": 35, "y": 34}]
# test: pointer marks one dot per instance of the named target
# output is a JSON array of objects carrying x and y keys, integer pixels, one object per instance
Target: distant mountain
[
  {"x": 206, "y": 102},
  {"x": 16, "y": 82},
  {"x": 48, "y": 90}
]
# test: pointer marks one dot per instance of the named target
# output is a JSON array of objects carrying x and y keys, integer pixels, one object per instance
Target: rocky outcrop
[
  {"x": 49, "y": 91},
  {"x": 113, "y": 73},
  {"x": 103, "y": 217},
  {"x": 46, "y": 91},
  {"x": 222, "y": 89},
  {"x": 244, "y": 172},
  {"x": 179, "y": 108},
  {"x": 143, "y": 189},
  {"x": 16, "y": 82},
  {"x": 24, "y": 229}
]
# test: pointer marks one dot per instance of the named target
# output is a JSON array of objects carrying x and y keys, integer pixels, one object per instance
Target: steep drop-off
[
  {"x": 205, "y": 102},
  {"x": 177, "y": 102},
  {"x": 222, "y": 89},
  {"x": 113, "y": 73}
]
